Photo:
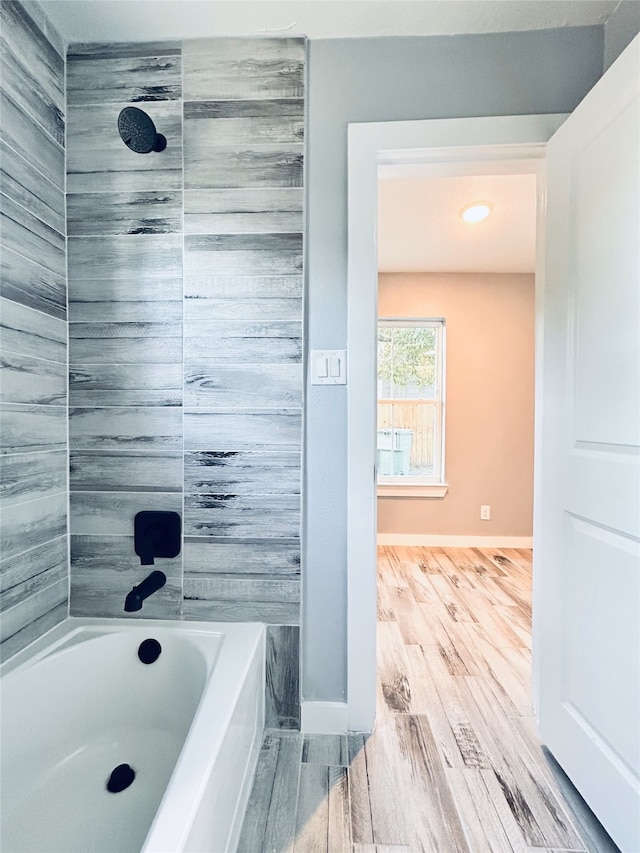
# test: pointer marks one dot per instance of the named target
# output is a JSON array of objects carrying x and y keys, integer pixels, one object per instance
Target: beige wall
[{"x": 489, "y": 404}]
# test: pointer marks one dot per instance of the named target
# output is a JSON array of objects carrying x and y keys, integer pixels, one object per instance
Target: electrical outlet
[{"x": 485, "y": 513}]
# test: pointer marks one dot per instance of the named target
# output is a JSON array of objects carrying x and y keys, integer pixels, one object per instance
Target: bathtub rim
[{"x": 57, "y": 637}]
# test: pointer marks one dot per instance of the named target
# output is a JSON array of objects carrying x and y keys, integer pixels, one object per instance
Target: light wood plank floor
[{"x": 454, "y": 764}]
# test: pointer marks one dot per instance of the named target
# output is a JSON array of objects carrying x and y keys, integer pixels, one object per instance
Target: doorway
[
  {"x": 503, "y": 144},
  {"x": 456, "y": 322}
]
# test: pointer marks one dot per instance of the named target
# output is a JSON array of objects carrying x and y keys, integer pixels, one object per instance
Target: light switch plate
[{"x": 328, "y": 367}]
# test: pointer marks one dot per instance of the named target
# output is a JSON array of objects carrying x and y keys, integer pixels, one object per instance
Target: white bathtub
[{"x": 79, "y": 702}]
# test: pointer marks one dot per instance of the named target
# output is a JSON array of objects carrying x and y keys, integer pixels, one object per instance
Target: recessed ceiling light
[{"x": 476, "y": 212}]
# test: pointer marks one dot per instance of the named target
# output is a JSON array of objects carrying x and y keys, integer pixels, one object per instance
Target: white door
[{"x": 587, "y": 566}]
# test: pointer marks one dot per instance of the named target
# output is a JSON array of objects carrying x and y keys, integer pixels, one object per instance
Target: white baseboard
[
  {"x": 455, "y": 541},
  {"x": 324, "y": 718}
]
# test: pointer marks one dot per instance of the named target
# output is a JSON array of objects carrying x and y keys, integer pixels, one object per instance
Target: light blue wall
[
  {"x": 620, "y": 29},
  {"x": 391, "y": 79}
]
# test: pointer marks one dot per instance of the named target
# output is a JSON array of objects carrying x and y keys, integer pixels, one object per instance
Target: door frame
[{"x": 502, "y": 144}]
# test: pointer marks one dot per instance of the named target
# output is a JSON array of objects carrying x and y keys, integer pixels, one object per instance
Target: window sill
[{"x": 408, "y": 490}]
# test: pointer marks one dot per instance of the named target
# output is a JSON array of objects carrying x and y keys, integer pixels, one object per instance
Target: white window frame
[{"x": 410, "y": 486}]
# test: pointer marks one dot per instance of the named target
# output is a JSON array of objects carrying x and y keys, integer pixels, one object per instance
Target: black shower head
[{"x": 138, "y": 131}]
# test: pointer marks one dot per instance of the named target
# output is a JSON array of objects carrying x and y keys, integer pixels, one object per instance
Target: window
[{"x": 410, "y": 437}]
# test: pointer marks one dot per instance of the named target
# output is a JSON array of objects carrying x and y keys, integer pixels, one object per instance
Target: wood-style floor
[{"x": 454, "y": 764}]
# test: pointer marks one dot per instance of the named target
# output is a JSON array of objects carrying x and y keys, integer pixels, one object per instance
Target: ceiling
[
  {"x": 420, "y": 228},
  {"x": 148, "y": 20}
]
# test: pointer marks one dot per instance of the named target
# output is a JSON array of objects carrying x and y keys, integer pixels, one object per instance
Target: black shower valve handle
[{"x": 157, "y": 533}]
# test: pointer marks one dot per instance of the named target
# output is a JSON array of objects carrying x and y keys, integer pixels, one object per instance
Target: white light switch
[{"x": 329, "y": 367}]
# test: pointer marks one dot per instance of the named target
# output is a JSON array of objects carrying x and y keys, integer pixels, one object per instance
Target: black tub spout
[{"x": 152, "y": 583}]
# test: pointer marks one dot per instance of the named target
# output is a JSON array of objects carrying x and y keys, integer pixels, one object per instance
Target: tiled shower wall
[
  {"x": 33, "y": 330},
  {"x": 185, "y": 310}
]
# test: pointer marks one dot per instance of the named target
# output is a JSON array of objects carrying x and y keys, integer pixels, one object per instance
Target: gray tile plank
[
  {"x": 269, "y": 822},
  {"x": 101, "y": 213},
  {"x": 26, "y": 476},
  {"x": 202, "y": 134},
  {"x": 269, "y": 612},
  {"x": 260, "y": 222},
  {"x": 312, "y": 810},
  {"x": 326, "y": 749},
  {"x": 119, "y": 352},
  {"x": 126, "y": 471},
  {"x": 339, "y": 835},
  {"x": 45, "y": 559},
  {"x": 32, "y": 428},
  {"x": 124, "y": 312},
  {"x": 37, "y": 626},
  {"x": 99, "y": 161},
  {"x": 22, "y": 183},
  {"x": 24, "y": 379},
  {"x": 240, "y": 516},
  {"x": 130, "y": 256},
  {"x": 32, "y": 141},
  {"x": 240, "y": 589},
  {"x": 112, "y": 513},
  {"x": 235, "y": 557},
  {"x": 32, "y": 69},
  {"x": 27, "y": 525},
  {"x": 134, "y": 330},
  {"x": 25, "y": 282},
  {"x": 283, "y": 677},
  {"x": 119, "y": 50},
  {"x": 29, "y": 95},
  {"x": 127, "y": 79},
  {"x": 360, "y": 802},
  {"x": 199, "y": 289},
  {"x": 276, "y": 165},
  {"x": 25, "y": 234},
  {"x": 242, "y": 473},
  {"x": 243, "y": 68},
  {"x": 248, "y": 430},
  {"x": 166, "y": 378},
  {"x": 257, "y": 812},
  {"x": 244, "y": 309},
  {"x": 19, "y": 592},
  {"x": 280, "y": 828},
  {"x": 231, "y": 108},
  {"x": 243, "y": 254},
  {"x": 248, "y": 341},
  {"x": 123, "y": 298},
  {"x": 86, "y": 398},
  {"x": 257, "y": 385},
  {"x": 29, "y": 332},
  {"x": 127, "y": 428},
  {"x": 29, "y": 609}
]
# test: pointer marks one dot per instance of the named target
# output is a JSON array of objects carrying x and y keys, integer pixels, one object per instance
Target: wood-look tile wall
[
  {"x": 33, "y": 330},
  {"x": 185, "y": 317}
]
